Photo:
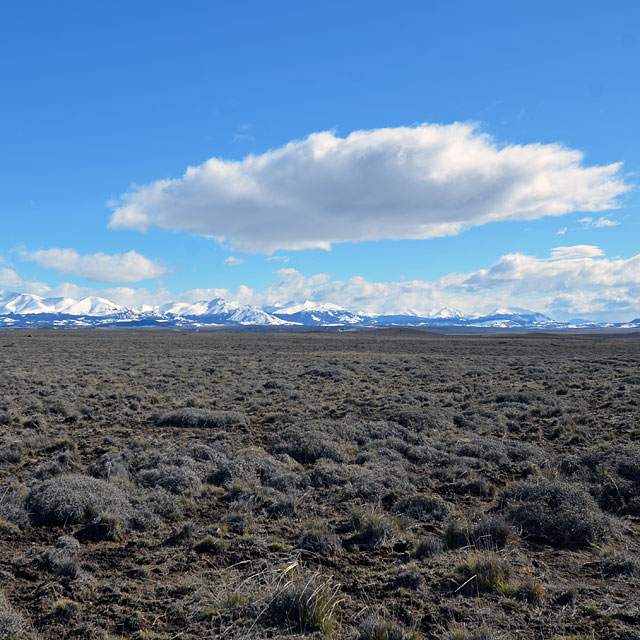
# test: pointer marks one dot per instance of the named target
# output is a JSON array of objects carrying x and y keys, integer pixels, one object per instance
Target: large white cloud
[
  {"x": 395, "y": 183},
  {"x": 99, "y": 267}
]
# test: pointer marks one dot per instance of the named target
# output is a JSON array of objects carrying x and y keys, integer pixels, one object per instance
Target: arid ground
[{"x": 383, "y": 485}]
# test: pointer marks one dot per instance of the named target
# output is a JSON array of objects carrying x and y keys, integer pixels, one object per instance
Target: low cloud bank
[{"x": 572, "y": 281}]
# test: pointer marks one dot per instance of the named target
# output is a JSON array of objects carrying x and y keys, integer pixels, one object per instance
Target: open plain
[{"x": 383, "y": 485}]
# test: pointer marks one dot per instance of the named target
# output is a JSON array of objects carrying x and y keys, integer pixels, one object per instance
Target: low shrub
[
  {"x": 615, "y": 474},
  {"x": 240, "y": 515},
  {"x": 474, "y": 485},
  {"x": 492, "y": 532},
  {"x": 12, "y": 506},
  {"x": 424, "y": 508},
  {"x": 189, "y": 418},
  {"x": 212, "y": 545},
  {"x": 11, "y": 622},
  {"x": 529, "y": 591},
  {"x": 110, "y": 466},
  {"x": 74, "y": 499},
  {"x": 60, "y": 559},
  {"x": 46, "y": 470},
  {"x": 307, "y": 445},
  {"x": 558, "y": 513},
  {"x": 320, "y": 541},
  {"x": 11, "y": 452},
  {"x": 408, "y": 576},
  {"x": 428, "y": 547},
  {"x": 161, "y": 503},
  {"x": 65, "y": 609},
  {"x": 104, "y": 527},
  {"x": 175, "y": 479},
  {"x": 457, "y": 534},
  {"x": 615, "y": 563}
]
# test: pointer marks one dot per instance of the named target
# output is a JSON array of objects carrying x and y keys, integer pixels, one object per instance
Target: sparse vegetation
[{"x": 356, "y": 486}]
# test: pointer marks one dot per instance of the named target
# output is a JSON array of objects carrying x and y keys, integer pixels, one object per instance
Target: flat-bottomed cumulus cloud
[{"x": 392, "y": 183}]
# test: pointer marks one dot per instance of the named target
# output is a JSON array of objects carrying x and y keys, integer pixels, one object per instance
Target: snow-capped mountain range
[{"x": 29, "y": 310}]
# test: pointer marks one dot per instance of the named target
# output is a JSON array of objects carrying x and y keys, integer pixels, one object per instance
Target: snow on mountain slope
[
  {"x": 30, "y": 304},
  {"x": 218, "y": 311},
  {"x": 447, "y": 312},
  {"x": 30, "y": 310},
  {"x": 24, "y": 303},
  {"x": 184, "y": 308},
  {"x": 289, "y": 308},
  {"x": 91, "y": 306},
  {"x": 315, "y": 313}
]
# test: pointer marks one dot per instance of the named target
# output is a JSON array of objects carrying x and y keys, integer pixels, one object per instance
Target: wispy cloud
[
  {"x": 99, "y": 267},
  {"x": 601, "y": 222},
  {"x": 562, "y": 231},
  {"x": 233, "y": 261},
  {"x": 242, "y": 134},
  {"x": 395, "y": 183}
]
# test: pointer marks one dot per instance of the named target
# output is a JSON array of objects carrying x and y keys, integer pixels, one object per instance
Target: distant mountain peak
[
  {"x": 447, "y": 312},
  {"x": 27, "y": 309}
]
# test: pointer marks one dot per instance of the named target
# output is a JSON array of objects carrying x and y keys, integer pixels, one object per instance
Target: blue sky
[{"x": 442, "y": 150}]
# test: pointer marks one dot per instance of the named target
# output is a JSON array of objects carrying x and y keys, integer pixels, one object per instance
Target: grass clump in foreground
[
  {"x": 305, "y": 603},
  {"x": 460, "y": 632},
  {"x": 481, "y": 573},
  {"x": 374, "y": 529},
  {"x": 375, "y": 628},
  {"x": 65, "y": 608}
]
